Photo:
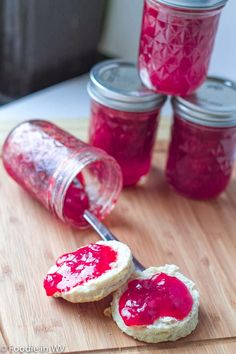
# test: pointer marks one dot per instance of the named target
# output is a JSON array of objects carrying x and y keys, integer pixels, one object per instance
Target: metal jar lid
[
  {"x": 194, "y": 4},
  {"x": 213, "y": 104},
  {"x": 116, "y": 84}
]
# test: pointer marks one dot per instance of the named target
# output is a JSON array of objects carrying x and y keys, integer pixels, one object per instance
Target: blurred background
[{"x": 46, "y": 42}]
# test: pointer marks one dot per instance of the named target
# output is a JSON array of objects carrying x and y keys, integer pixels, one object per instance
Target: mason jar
[
  {"x": 203, "y": 144},
  {"x": 176, "y": 43},
  {"x": 66, "y": 175},
  {"x": 124, "y": 117}
]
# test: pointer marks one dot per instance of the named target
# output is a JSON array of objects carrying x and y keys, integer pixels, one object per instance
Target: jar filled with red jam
[
  {"x": 203, "y": 146},
  {"x": 176, "y": 43},
  {"x": 66, "y": 175},
  {"x": 124, "y": 117}
]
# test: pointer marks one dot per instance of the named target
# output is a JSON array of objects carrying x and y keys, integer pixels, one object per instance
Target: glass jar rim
[
  {"x": 194, "y": 4},
  {"x": 213, "y": 104},
  {"x": 116, "y": 84},
  {"x": 63, "y": 178},
  {"x": 217, "y": 121},
  {"x": 121, "y": 106}
]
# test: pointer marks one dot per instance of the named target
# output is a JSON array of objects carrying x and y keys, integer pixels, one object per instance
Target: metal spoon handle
[{"x": 106, "y": 234}]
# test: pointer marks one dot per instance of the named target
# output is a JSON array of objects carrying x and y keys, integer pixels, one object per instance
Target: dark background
[{"x": 43, "y": 42}]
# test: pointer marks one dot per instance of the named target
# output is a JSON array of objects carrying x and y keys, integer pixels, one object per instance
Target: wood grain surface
[{"x": 159, "y": 226}]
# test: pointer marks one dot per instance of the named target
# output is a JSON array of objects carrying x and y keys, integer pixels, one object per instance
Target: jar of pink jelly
[
  {"x": 66, "y": 175},
  {"x": 203, "y": 145},
  {"x": 124, "y": 117},
  {"x": 176, "y": 43}
]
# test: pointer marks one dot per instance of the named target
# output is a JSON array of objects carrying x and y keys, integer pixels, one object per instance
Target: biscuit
[
  {"x": 103, "y": 285},
  {"x": 165, "y": 328}
]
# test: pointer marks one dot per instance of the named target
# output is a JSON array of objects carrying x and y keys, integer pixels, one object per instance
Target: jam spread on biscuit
[
  {"x": 78, "y": 267},
  {"x": 147, "y": 300}
]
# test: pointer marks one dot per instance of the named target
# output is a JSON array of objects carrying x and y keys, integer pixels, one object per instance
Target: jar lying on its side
[
  {"x": 203, "y": 144},
  {"x": 176, "y": 43},
  {"x": 124, "y": 117},
  {"x": 66, "y": 175}
]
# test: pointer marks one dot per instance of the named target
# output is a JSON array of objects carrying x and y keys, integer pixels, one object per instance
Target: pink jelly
[
  {"x": 79, "y": 267},
  {"x": 128, "y": 137},
  {"x": 203, "y": 144},
  {"x": 176, "y": 44},
  {"x": 124, "y": 117},
  {"x": 147, "y": 300},
  {"x": 76, "y": 201},
  {"x": 66, "y": 175},
  {"x": 200, "y": 159}
]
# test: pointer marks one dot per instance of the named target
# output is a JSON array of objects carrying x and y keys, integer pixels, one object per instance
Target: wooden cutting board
[{"x": 159, "y": 226}]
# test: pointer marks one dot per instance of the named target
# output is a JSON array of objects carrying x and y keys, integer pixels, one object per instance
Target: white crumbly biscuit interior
[
  {"x": 98, "y": 288},
  {"x": 166, "y": 328}
]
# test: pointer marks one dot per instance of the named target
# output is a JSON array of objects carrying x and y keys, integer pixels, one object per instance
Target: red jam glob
[
  {"x": 76, "y": 200},
  {"x": 147, "y": 300},
  {"x": 124, "y": 117},
  {"x": 203, "y": 145},
  {"x": 66, "y": 175},
  {"x": 176, "y": 43},
  {"x": 79, "y": 267}
]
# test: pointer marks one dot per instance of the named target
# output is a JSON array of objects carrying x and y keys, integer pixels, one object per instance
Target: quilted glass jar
[
  {"x": 202, "y": 150},
  {"x": 176, "y": 43},
  {"x": 66, "y": 175},
  {"x": 124, "y": 117}
]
